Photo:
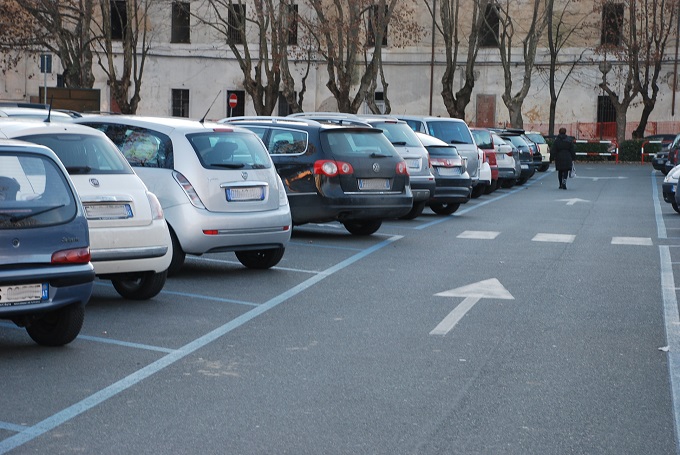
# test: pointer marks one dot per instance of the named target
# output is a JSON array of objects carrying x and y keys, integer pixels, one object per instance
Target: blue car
[{"x": 46, "y": 277}]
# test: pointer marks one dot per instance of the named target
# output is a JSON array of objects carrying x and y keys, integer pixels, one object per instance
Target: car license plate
[
  {"x": 108, "y": 211},
  {"x": 248, "y": 193},
  {"x": 374, "y": 184},
  {"x": 525, "y": 166},
  {"x": 23, "y": 294},
  {"x": 448, "y": 171},
  {"x": 413, "y": 164}
]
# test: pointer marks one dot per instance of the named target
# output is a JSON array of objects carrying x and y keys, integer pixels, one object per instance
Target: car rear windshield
[
  {"x": 483, "y": 139},
  {"x": 442, "y": 151},
  {"x": 84, "y": 153},
  {"x": 450, "y": 132},
  {"x": 33, "y": 192},
  {"x": 350, "y": 142},
  {"x": 399, "y": 134},
  {"x": 537, "y": 138},
  {"x": 230, "y": 150}
]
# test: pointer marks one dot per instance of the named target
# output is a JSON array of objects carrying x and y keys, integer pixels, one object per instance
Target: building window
[
  {"x": 181, "y": 14},
  {"x": 180, "y": 102},
  {"x": 292, "y": 24},
  {"x": 490, "y": 28},
  {"x": 119, "y": 19},
  {"x": 284, "y": 107},
  {"x": 612, "y": 24},
  {"x": 237, "y": 24},
  {"x": 374, "y": 18}
]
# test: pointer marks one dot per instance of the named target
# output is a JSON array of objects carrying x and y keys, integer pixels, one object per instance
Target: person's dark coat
[{"x": 562, "y": 152}]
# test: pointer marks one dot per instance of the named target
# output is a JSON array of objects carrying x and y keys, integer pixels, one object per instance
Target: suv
[
  {"x": 218, "y": 186},
  {"x": 452, "y": 131},
  {"x": 525, "y": 153},
  {"x": 46, "y": 275},
  {"x": 348, "y": 174},
  {"x": 407, "y": 144},
  {"x": 544, "y": 149},
  {"x": 129, "y": 239}
]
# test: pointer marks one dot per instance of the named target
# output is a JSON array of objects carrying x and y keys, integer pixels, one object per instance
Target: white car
[
  {"x": 129, "y": 238},
  {"x": 670, "y": 186},
  {"x": 509, "y": 168},
  {"x": 217, "y": 184}
]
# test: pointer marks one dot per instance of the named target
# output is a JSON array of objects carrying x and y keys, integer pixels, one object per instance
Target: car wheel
[
  {"x": 491, "y": 188},
  {"x": 508, "y": 183},
  {"x": 675, "y": 207},
  {"x": 144, "y": 287},
  {"x": 444, "y": 209},
  {"x": 544, "y": 167},
  {"x": 58, "y": 327},
  {"x": 416, "y": 211},
  {"x": 178, "y": 255},
  {"x": 362, "y": 227},
  {"x": 477, "y": 191},
  {"x": 522, "y": 180},
  {"x": 260, "y": 259}
]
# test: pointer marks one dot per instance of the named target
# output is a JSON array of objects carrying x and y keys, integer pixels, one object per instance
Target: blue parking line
[
  {"x": 483, "y": 203},
  {"x": 316, "y": 245},
  {"x": 29, "y": 433},
  {"x": 660, "y": 225}
]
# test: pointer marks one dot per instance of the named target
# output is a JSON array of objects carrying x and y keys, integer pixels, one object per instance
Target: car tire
[
  {"x": 178, "y": 255},
  {"x": 522, "y": 181},
  {"x": 444, "y": 209},
  {"x": 144, "y": 287},
  {"x": 477, "y": 191},
  {"x": 675, "y": 207},
  {"x": 491, "y": 188},
  {"x": 508, "y": 183},
  {"x": 260, "y": 259},
  {"x": 58, "y": 327},
  {"x": 416, "y": 211},
  {"x": 362, "y": 227}
]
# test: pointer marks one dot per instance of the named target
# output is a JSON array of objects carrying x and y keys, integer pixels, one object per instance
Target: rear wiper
[
  {"x": 78, "y": 169},
  {"x": 15, "y": 219},
  {"x": 455, "y": 141},
  {"x": 379, "y": 155},
  {"x": 228, "y": 166},
  {"x": 399, "y": 143}
]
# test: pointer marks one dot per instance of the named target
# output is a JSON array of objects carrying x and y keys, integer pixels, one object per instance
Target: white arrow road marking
[
  {"x": 572, "y": 201},
  {"x": 472, "y": 293}
]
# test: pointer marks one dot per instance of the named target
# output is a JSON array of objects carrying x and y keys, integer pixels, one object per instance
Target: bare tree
[
  {"x": 131, "y": 19},
  {"x": 61, "y": 27},
  {"x": 349, "y": 30},
  {"x": 656, "y": 22},
  {"x": 562, "y": 24},
  {"x": 529, "y": 42},
  {"x": 449, "y": 25}
]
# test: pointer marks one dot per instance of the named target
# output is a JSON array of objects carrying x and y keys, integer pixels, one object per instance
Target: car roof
[
  {"x": 428, "y": 140},
  {"x": 13, "y": 111},
  {"x": 429, "y": 118},
  {"x": 10, "y": 127},
  {"x": 163, "y": 124},
  {"x": 14, "y": 144},
  {"x": 285, "y": 122}
]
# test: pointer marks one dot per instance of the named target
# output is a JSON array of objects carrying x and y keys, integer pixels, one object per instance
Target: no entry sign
[{"x": 233, "y": 100}]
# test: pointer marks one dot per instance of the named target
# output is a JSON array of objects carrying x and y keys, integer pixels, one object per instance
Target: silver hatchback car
[{"x": 216, "y": 183}]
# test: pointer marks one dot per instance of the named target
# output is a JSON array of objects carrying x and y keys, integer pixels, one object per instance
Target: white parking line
[
  {"x": 644, "y": 241},
  {"x": 556, "y": 238},
  {"x": 479, "y": 235}
]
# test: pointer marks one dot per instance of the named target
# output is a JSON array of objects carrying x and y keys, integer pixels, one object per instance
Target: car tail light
[
  {"x": 332, "y": 168},
  {"x": 402, "y": 169},
  {"x": 283, "y": 198},
  {"x": 188, "y": 190},
  {"x": 74, "y": 256},
  {"x": 509, "y": 153},
  {"x": 156, "y": 209}
]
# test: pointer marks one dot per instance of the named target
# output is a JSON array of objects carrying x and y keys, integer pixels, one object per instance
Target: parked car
[
  {"x": 543, "y": 164},
  {"x": 525, "y": 155},
  {"x": 129, "y": 238},
  {"x": 404, "y": 140},
  {"x": 484, "y": 141},
  {"x": 46, "y": 276},
  {"x": 509, "y": 168},
  {"x": 218, "y": 186},
  {"x": 661, "y": 157},
  {"x": 669, "y": 188},
  {"x": 453, "y": 131},
  {"x": 454, "y": 185},
  {"x": 353, "y": 175},
  {"x": 35, "y": 113}
]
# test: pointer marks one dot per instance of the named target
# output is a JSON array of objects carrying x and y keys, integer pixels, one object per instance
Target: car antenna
[
  {"x": 211, "y": 105},
  {"x": 49, "y": 110}
]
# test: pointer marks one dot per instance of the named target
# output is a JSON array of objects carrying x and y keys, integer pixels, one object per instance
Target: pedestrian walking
[{"x": 563, "y": 154}]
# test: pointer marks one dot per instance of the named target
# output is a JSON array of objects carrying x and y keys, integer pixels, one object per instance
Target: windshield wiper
[
  {"x": 399, "y": 143},
  {"x": 379, "y": 155},
  {"x": 455, "y": 141},
  {"x": 78, "y": 169},
  {"x": 229, "y": 166},
  {"x": 15, "y": 219}
]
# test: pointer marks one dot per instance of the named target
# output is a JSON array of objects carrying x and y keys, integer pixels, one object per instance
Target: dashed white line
[
  {"x": 555, "y": 238},
  {"x": 480, "y": 235},
  {"x": 644, "y": 241}
]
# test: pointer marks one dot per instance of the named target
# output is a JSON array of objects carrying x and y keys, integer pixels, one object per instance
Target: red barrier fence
[{"x": 612, "y": 149}]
